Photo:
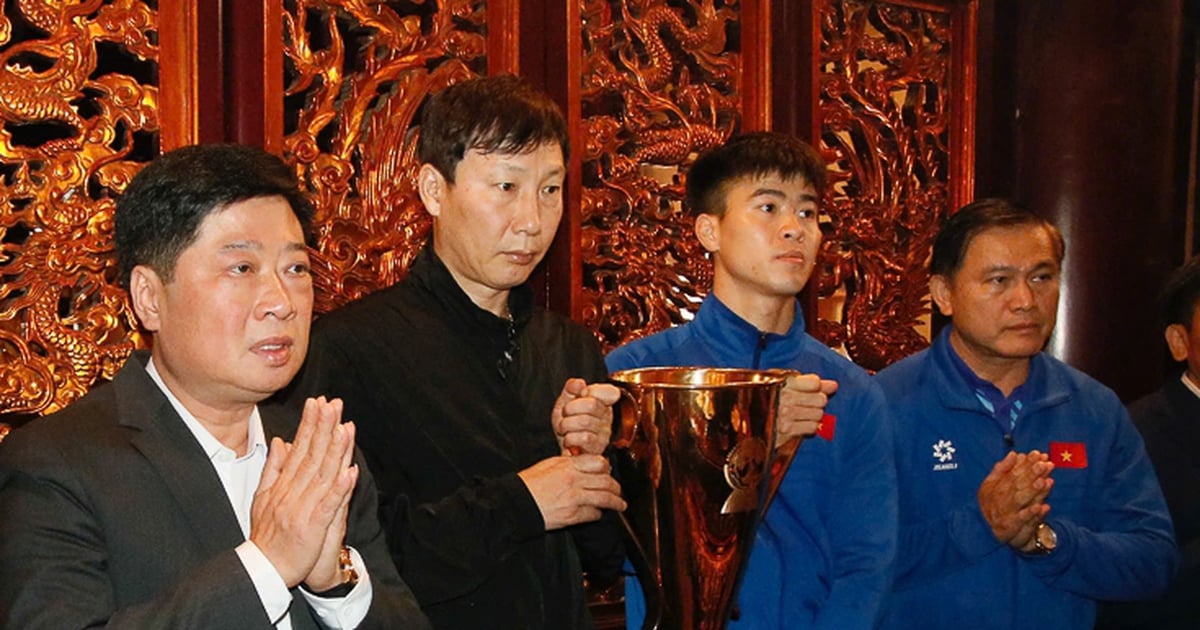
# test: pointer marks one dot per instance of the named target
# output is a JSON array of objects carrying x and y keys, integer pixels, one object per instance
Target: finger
[
  {"x": 604, "y": 500},
  {"x": 803, "y": 383},
  {"x": 1005, "y": 465},
  {"x": 276, "y": 454},
  {"x": 828, "y": 387},
  {"x": 608, "y": 395},
  {"x": 348, "y": 453},
  {"x": 309, "y": 419},
  {"x": 584, "y": 422},
  {"x": 330, "y": 446},
  {"x": 586, "y": 406},
  {"x": 571, "y": 390},
  {"x": 811, "y": 407},
  {"x": 589, "y": 463},
  {"x": 575, "y": 387},
  {"x": 577, "y": 442},
  {"x": 796, "y": 428}
]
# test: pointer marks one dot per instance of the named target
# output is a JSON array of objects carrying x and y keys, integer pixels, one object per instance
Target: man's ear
[
  {"x": 708, "y": 230},
  {"x": 146, "y": 292},
  {"x": 1177, "y": 341},
  {"x": 431, "y": 186},
  {"x": 939, "y": 290}
]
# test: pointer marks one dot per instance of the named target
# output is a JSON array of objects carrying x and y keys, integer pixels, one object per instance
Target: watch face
[{"x": 1046, "y": 537}]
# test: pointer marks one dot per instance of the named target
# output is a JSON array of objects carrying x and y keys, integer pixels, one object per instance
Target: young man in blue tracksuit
[
  {"x": 1025, "y": 491},
  {"x": 822, "y": 557}
]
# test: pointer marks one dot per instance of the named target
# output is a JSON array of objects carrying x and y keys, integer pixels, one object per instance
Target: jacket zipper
[{"x": 758, "y": 349}]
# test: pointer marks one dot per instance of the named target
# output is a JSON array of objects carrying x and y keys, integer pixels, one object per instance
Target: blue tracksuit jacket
[
  {"x": 823, "y": 556},
  {"x": 1114, "y": 532}
]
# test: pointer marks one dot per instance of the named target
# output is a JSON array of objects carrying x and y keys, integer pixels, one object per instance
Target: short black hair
[
  {"x": 500, "y": 113},
  {"x": 160, "y": 212},
  {"x": 756, "y": 154},
  {"x": 950, "y": 246},
  {"x": 1181, "y": 293}
]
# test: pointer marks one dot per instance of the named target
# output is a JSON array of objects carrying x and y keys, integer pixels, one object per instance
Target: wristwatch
[
  {"x": 1045, "y": 539},
  {"x": 348, "y": 573}
]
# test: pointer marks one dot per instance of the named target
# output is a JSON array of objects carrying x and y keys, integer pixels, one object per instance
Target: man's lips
[
  {"x": 277, "y": 350},
  {"x": 521, "y": 257},
  {"x": 793, "y": 257}
]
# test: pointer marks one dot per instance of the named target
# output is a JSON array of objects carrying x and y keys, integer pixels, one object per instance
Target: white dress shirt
[
  {"x": 1187, "y": 382},
  {"x": 239, "y": 476}
]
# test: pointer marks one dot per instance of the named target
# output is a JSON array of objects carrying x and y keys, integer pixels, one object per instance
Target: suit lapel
[
  {"x": 1184, "y": 423},
  {"x": 170, "y": 447}
]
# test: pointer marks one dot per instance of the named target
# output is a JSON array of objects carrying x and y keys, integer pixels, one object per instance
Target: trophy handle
[
  {"x": 625, "y": 421},
  {"x": 652, "y": 590}
]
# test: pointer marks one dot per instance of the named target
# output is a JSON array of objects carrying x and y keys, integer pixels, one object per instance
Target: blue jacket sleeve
[
  {"x": 943, "y": 544},
  {"x": 864, "y": 543},
  {"x": 1131, "y": 555}
]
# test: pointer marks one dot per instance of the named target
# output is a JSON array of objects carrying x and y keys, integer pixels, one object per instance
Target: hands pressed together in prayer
[
  {"x": 576, "y": 485},
  {"x": 801, "y": 407},
  {"x": 1013, "y": 498},
  {"x": 298, "y": 518}
]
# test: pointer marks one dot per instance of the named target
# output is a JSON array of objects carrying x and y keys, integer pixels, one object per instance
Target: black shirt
[{"x": 446, "y": 421}]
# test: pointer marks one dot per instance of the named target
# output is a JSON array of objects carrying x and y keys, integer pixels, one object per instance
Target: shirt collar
[
  {"x": 1188, "y": 383},
  {"x": 988, "y": 394},
  {"x": 735, "y": 340},
  {"x": 213, "y": 448}
]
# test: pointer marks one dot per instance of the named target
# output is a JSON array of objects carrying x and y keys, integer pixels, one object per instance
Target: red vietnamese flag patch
[
  {"x": 826, "y": 426},
  {"x": 1068, "y": 454}
]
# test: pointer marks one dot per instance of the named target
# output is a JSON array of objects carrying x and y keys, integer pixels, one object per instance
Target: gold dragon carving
[
  {"x": 661, "y": 83},
  {"x": 78, "y": 118},
  {"x": 356, "y": 73},
  {"x": 884, "y": 102}
]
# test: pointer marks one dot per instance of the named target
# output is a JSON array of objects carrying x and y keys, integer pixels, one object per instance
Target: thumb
[{"x": 828, "y": 387}]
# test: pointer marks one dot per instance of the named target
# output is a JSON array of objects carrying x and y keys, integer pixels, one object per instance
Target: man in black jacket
[
  {"x": 480, "y": 415},
  {"x": 1169, "y": 420}
]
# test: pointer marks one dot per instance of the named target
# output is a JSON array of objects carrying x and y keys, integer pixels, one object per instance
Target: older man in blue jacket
[{"x": 1025, "y": 491}]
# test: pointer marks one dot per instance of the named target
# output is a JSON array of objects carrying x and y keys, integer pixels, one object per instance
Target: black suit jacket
[
  {"x": 1169, "y": 421},
  {"x": 112, "y": 515}
]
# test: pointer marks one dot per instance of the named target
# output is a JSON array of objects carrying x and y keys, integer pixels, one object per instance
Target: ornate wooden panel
[
  {"x": 356, "y": 73},
  {"x": 661, "y": 81},
  {"x": 78, "y": 117},
  {"x": 895, "y": 98}
]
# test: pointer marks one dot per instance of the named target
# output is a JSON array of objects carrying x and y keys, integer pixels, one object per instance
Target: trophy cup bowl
[{"x": 697, "y": 463}]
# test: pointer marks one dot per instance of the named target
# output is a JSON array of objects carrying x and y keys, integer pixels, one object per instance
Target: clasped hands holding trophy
[
  {"x": 698, "y": 458},
  {"x": 575, "y": 486}
]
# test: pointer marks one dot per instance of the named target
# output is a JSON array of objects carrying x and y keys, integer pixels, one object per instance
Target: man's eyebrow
[
  {"x": 1044, "y": 264},
  {"x": 775, "y": 192},
  {"x": 241, "y": 245},
  {"x": 251, "y": 244}
]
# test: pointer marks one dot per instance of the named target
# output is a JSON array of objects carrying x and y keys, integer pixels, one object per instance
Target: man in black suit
[
  {"x": 155, "y": 500},
  {"x": 1169, "y": 420}
]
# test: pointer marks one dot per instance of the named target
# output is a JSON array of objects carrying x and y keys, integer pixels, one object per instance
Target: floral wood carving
[
  {"x": 885, "y": 98},
  {"x": 356, "y": 73},
  {"x": 78, "y": 109},
  {"x": 661, "y": 83}
]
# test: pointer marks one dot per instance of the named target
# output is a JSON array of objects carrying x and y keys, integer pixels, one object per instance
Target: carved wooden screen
[
  {"x": 356, "y": 74},
  {"x": 80, "y": 115},
  {"x": 662, "y": 80},
  {"x": 896, "y": 102}
]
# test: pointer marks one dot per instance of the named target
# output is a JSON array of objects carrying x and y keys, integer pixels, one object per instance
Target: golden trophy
[{"x": 698, "y": 467}]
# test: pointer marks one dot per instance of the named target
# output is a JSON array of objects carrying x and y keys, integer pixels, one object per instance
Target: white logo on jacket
[{"x": 943, "y": 452}]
